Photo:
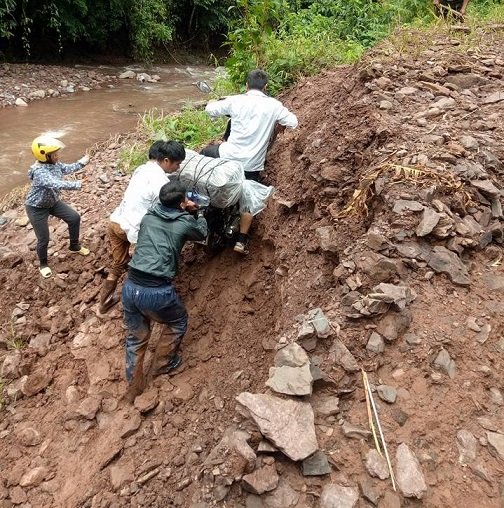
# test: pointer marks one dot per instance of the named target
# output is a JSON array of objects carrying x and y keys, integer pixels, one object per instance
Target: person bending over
[
  {"x": 142, "y": 193},
  {"x": 148, "y": 293},
  {"x": 256, "y": 119}
]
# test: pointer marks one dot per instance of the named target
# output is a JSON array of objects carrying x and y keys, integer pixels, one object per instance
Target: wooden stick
[
  {"x": 370, "y": 414},
  {"x": 382, "y": 437}
]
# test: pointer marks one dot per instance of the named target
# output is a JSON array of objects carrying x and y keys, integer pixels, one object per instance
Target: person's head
[
  {"x": 173, "y": 195},
  {"x": 257, "y": 80},
  {"x": 46, "y": 149},
  {"x": 168, "y": 154}
]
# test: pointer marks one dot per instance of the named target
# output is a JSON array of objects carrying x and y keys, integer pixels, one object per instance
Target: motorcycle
[{"x": 223, "y": 223}]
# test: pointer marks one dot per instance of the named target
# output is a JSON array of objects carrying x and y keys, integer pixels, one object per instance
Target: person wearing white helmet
[{"x": 43, "y": 198}]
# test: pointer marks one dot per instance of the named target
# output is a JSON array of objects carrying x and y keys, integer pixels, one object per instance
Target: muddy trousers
[
  {"x": 142, "y": 305},
  {"x": 119, "y": 248},
  {"x": 39, "y": 218}
]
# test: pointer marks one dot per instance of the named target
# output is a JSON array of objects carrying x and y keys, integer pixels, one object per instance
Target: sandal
[
  {"x": 83, "y": 251},
  {"x": 45, "y": 271}
]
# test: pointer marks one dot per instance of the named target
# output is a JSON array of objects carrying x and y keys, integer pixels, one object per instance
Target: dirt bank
[
  {"x": 24, "y": 83},
  {"x": 412, "y": 291}
]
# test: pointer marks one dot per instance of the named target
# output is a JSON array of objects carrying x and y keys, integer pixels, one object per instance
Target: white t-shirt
[
  {"x": 253, "y": 118},
  {"x": 142, "y": 192}
]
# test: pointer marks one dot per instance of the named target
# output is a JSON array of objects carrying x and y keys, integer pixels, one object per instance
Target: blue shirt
[{"x": 47, "y": 182}]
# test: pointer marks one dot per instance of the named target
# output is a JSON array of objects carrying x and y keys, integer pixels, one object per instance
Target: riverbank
[
  {"x": 25, "y": 83},
  {"x": 388, "y": 218}
]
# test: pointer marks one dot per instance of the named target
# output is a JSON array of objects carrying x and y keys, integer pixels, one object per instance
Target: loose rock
[
  {"x": 409, "y": 475},
  {"x": 292, "y": 355},
  {"x": 340, "y": 355},
  {"x": 445, "y": 364},
  {"x": 352, "y": 431},
  {"x": 147, "y": 400},
  {"x": 337, "y": 496},
  {"x": 387, "y": 393},
  {"x": 288, "y": 424},
  {"x": 326, "y": 406},
  {"x": 376, "y": 465},
  {"x": 316, "y": 465},
  {"x": 466, "y": 444},
  {"x": 496, "y": 444},
  {"x": 260, "y": 481},
  {"x": 429, "y": 221},
  {"x": 34, "y": 477},
  {"x": 375, "y": 343},
  {"x": 442, "y": 260},
  {"x": 291, "y": 380}
]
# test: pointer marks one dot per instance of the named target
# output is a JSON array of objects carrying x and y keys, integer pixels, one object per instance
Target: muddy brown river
[{"x": 84, "y": 118}]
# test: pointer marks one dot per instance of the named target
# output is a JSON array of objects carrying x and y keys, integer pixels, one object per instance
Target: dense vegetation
[{"x": 44, "y": 30}]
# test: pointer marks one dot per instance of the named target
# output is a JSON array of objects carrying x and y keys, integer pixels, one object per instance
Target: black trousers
[
  {"x": 455, "y": 5},
  {"x": 39, "y": 218}
]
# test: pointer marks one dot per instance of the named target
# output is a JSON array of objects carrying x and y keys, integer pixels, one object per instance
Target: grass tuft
[{"x": 192, "y": 127}]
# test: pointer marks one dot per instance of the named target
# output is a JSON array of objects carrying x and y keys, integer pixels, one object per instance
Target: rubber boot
[{"x": 107, "y": 297}]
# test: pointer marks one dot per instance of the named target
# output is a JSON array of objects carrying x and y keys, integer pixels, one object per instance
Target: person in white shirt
[
  {"x": 256, "y": 118},
  {"x": 142, "y": 193}
]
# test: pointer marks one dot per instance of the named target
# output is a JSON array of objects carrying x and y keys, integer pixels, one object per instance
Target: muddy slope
[{"x": 417, "y": 134}]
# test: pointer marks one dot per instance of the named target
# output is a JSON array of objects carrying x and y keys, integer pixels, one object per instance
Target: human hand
[
  {"x": 84, "y": 160},
  {"x": 279, "y": 128},
  {"x": 191, "y": 206}
]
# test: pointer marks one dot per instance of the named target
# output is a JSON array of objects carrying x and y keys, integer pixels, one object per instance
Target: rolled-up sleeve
[
  {"x": 218, "y": 108},
  {"x": 287, "y": 118}
]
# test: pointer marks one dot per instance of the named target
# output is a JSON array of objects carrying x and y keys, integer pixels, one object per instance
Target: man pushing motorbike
[
  {"x": 148, "y": 293},
  {"x": 256, "y": 118}
]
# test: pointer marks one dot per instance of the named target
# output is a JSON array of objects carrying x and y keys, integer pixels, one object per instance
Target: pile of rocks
[
  {"x": 281, "y": 425},
  {"x": 140, "y": 76},
  {"x": 24, "y": 83}
]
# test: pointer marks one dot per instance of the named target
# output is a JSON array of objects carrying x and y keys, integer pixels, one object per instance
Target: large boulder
[{"x": 288, "y": 424}]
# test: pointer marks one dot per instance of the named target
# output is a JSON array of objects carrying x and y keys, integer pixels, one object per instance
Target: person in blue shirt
[{"x": 43, "y": 198}]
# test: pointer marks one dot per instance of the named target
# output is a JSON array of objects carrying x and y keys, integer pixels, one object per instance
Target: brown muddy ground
[{"x": 68, "y": 441}]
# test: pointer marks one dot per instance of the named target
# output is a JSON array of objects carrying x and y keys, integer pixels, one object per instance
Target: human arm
[
  {"x": 219, "y": 108},
  {"x": 464, "y": 7},
  {"x": 198, "y": 229},
  {"x": 44, "y": 178},
  {"x": 67, "y": 169},
  {"x": 287, "y": 119}
]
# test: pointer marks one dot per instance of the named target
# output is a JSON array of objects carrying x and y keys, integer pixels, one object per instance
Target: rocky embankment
[
  {"x": 21, "y": 84},
  {"x": 381, "y": 251}
]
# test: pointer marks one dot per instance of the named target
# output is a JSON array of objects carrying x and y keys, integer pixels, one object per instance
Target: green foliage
[
  {"x": 7, "y": 19},
  {"x": 192, "y": 127},
  {"x": 148, "y": 26},
  {"x": 299, "y": 37}
]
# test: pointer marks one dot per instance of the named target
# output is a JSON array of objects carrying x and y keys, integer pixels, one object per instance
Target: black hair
[
  {"x": 172, "y": 194},
  {"x": 257, "y": 79},
  {"x": 167, "y": 150}
]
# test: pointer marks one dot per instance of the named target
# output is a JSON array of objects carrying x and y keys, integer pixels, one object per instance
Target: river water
[{"x": 84, "y": 118}]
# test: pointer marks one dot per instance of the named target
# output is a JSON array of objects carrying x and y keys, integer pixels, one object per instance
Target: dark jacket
[
  {"x": 47, "y": 182},
  {"x": 163, "y": 233}
]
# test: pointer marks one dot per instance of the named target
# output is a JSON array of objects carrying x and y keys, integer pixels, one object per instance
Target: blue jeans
[{"x": 142, "y": 305}]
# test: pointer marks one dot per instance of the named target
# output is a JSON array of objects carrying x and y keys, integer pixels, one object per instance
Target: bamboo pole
[{"x": 375, "y": 412}]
